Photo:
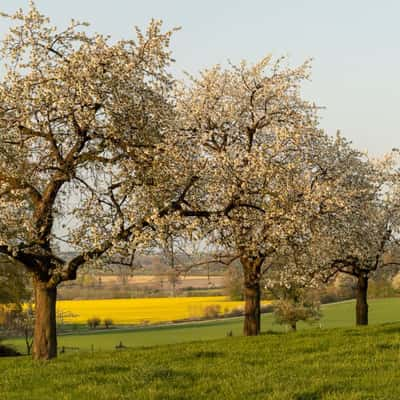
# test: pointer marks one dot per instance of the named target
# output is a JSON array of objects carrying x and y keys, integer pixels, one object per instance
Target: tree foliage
[
  {"x": 85, "y": 129},
  {"x": 103, "y": 152},
  {"x": 14, "y": 283}
]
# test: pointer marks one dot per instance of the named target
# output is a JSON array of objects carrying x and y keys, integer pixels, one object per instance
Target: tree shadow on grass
[
  {"x": 208, "y": 354},
  {"x": 179, "y": 379},
  {"x": 390, "y": 328},
  {"x": 316, "y": 394},
  {"x": 109, "y": 369},
  {"x": 308, "y": 396},
  {"x": 352, "y": 332},
  {"x": 270, "y": 332},
  {"x": 389, "y": 346},
  {"x": 168, "y": 373}
]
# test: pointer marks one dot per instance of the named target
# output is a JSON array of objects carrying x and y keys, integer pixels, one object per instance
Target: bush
[
  {"x": 296, "y": 303},
  {"x": 19, "y": 322},
  {"x": 108, "y": 322},
  {"x": 268, "y": 308},
  {"x": 396, "y": 282},
  {"x": 290, "y": 312},
  {"x": 7, "y": 351},
  {"x": 212, "y": 311},
  {"x": 94, "y": 322},
  {"x": 235, "y": 312}
]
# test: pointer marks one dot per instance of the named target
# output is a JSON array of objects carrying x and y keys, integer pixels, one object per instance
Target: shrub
[
  {"x": 234, "y": 312},
  {"x": 296, "y": 303},
  {"x": 267, "y": 308},
  {"x": 7, "y": 351},
  {"x": 108, "y": 322},
  {"x": 93, "y": 322},
  {"x": 19, "y": 322},
  {"x": 289, "y": 312},
  {"x": 396, "y": 282},
  {"x": 212, "y": 311}
]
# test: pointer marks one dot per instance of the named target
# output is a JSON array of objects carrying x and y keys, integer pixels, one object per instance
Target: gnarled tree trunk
[
  {"x": 252, "y": 295},
  {"x": 361, "y": 300},
  {"x": 45, "y": 335}
]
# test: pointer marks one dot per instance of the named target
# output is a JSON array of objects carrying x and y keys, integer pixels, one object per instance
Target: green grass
[
  {"x": 334, "y": 315},
  {"x": 327, "y": 364}
]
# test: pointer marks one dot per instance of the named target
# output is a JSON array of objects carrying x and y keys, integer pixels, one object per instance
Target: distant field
[
  {"x": 137, "y": 311},
  {"x": 331, "y": 364},
  {"x": 139, "y": 286},
  {"x": 334, "y": 315},
  {"x": 149, "y": 280}
]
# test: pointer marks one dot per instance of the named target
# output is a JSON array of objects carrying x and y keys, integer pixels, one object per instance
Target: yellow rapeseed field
[{"x": 138, "y": 311}]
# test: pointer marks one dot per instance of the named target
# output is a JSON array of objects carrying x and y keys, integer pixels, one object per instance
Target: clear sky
[{"x": 355, "y": 45}]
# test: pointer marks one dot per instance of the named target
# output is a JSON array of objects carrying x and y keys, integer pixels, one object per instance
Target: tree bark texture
[
  {"x": 45, "y": 335},
  {"x": 361, "y": 300},
  {"x": 252, "y": 295}
]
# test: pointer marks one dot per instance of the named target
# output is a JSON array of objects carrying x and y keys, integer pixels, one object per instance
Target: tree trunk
[
  {"x": 252, "y": 296},
  {"x": 361, "y": 300},
  {"x": 45, "y": 335}
]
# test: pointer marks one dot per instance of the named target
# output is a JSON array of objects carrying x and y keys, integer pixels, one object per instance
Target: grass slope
[
  {"x": 331, "y": 364},
  {"x": 334, "y": 315}
]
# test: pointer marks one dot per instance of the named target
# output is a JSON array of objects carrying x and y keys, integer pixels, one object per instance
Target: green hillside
[
  {"x": 334, "y": 316},
  {"x": 328, "y": 364}
]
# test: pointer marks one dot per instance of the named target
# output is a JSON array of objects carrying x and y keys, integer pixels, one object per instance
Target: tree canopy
[{"x": 103, "y": 151}]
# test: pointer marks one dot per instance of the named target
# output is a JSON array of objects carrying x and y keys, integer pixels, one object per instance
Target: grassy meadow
[
  {"x": 327, "y": 364},
  {"x": 334, "y": 315}
]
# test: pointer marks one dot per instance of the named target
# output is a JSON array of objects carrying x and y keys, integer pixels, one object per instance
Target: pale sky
[{"x": 354, "y": 44}]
